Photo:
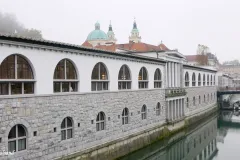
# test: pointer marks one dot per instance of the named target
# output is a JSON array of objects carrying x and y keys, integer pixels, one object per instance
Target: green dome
[{"x": 97, "y": 34}]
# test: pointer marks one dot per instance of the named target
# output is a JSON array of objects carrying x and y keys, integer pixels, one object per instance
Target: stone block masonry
[{"x": 43, "y": 116}]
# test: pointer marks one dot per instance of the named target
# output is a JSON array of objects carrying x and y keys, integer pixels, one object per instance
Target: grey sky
[{"x": 181, "y": 24}]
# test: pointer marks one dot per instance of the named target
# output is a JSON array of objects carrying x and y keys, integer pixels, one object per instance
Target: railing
[
  {"x": 175, "y": 92},
  {"x": 229, "y": 88}
]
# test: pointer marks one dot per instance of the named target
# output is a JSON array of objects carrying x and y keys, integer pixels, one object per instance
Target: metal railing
[
  {"x": 229, "y": 88},
  {"x": 175, "y": 92}
]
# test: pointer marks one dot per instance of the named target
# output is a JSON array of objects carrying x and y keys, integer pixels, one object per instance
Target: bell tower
[
  {"x": 135, "y": 34},
  {"x": 111, "y": 35}
]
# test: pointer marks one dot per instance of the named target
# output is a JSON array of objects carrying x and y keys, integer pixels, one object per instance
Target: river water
[{"x": 216, "y": 138}]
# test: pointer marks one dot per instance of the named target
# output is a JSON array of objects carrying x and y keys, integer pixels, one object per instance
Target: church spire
[
  {"x": 110, "y": 34},
  {"x": 135, "y": 33}
]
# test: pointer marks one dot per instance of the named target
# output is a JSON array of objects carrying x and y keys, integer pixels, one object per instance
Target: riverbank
[{"x": 138, "y": 140}]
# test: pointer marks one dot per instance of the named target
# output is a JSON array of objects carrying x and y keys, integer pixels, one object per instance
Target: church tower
[
  {"x": 135, "y": 34},
  {"x": 111, "y": 35}
]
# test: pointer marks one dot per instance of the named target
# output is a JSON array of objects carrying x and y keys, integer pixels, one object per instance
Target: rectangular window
[
  {"x": 63, "y": 133},
  {"x": 28, "y": 88},
  {"x": 74, "y": 87},
  {"x": 16, "y": 88},
  {"x": 21, "y": 144},
  {"x": 65, "y": 87},
  {"x": 94, "y": 86},
  {"x": 105, "y": 85},
  {"x": 12, "y": 146},
  {"x": 99, "y": 86},
  {"x": 69, "y": 133},
  {"x": 56, "y": 86},
  {"x": 3, "y": 88}
]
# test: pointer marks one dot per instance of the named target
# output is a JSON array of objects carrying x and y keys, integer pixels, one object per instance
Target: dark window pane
[
  {"x": 59, "y": 72},
  {"x": 16, "y": 88},
  {"x": 94, "y": 87},
  {"x": 103, "y": 72},
  {"x": 144, "y": 74},
  {"x": 12, "y": 146},
  {"x": 99, "y": 86},
  {"x": 69, "y": 122},
  {"x": 65, "y": 87},
  {"x": 24, "y": 70},
  {"x": 21, "y": 131},
  {"x": 22, "y": 144},
  {"x": 129, "y": 85},
  {"x": 69, "y": 133},
  {"x": 3, "y": 88},
  {"x": 63, "y": 134},
  {"x": 63, "y": 125},
  {"x": 28, "y": 88},
  {"x": 95, "y": 72},
  {"x": 105, "y": 85},
  {"x": 70, "y": 70},
  {"x": 74, "y": 87},
  {"x": 7, "y": 68},
  {"x": 12, "y": 133},
  {"x": 56, "y": 86}
]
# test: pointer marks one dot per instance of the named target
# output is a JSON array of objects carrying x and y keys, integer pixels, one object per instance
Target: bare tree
[
  {"x": 10, "y": 25},
  {"x": 202, "y": 57}
]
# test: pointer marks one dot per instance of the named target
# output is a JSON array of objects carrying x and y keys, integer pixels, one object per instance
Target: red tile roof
[
  {"x": 111, "y": 47},
  {"x": 131, "y": 46},
  {"x": 141, "y": 47},
  {"x": 87, "y": 44}
]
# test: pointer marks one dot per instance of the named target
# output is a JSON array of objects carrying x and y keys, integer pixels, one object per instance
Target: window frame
[
  {"x": 104, "y": 83},
  {"x": 66, "y": 129},
  {"x": 141, "y": 81},
  {"x": 101, "y": 121},
  {"x": 124, "y": 82},
  {"x": 144, "y": 112},
  {"x": 65, "y": 80},
  {"x": 17, "y": 138},
  {"x": 14, "y": 80},
  {"x": 157, "y": 80},
  {"x": 186, "y": 79},
  {"x": 125, "y": 116}
]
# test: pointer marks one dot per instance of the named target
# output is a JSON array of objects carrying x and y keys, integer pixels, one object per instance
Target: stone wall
[
  {"x": 44, "y": 114},
  {"x": 190, "y": 108}
]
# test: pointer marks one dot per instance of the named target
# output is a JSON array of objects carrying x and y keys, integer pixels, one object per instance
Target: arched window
[
  {"x": 157, "y": 79},
  {"x": 204, "y": 80},
  {"x": 186, "y": 79},
  {"x": 194, "y": 101},
  {"x": 193, "y": 79},
  {"x": 208, "y": 80},
  {"x": 124, "y": 78},
  {"x": 125, "y": 116},
  {"x": 100, "y": 122},
  {"x": 211, "y": 82},
  {"x": 99, "y": 77},
  {"x": 144, "y": 112},
  {"x": 199, "y": 99},
  {"x": 158, "y": 109},
  {"x": 204, "y": 99},
  {"x": 17, "y": 138},
  {"x": 143, "y": 78},
  {"x": 199, "y": 79},
  {"x": 65, "y": 77},
  {"x": 16, "y": 76},
  {"x": 67, "y": 128},
  {"x": 187, "y": 102},
  {"x": 214, "y": 80}
]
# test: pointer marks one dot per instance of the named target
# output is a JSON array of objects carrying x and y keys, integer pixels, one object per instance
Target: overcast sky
[{"x": 181, "y": 24}]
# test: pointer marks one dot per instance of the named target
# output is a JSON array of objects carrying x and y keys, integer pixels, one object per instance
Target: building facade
[{"x": 58, "y": 99}]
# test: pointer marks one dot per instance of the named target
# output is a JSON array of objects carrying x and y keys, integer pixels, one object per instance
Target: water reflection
[
  {"x": 195, "y": 143},
  {"x": 217, "y": 138}
]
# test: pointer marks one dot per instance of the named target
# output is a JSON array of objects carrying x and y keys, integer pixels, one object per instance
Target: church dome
[{"x": 97, "y": 34}]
